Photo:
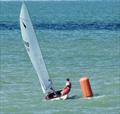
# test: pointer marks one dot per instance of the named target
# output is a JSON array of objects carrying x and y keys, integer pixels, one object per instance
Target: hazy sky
[{"x": 59, "y": 0}]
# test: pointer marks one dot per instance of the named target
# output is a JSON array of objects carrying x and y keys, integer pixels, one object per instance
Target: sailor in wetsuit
[
  {"x": 67, "y": 88},
  {"x": 59, "y": 93}
]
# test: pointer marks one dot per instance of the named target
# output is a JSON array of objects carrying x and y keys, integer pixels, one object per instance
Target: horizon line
[{"x": 56, "y": 0}]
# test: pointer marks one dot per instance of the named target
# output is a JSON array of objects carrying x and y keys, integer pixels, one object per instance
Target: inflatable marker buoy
[{"x": 86, "y": 88}]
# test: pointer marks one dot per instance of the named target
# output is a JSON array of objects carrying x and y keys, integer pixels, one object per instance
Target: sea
[{"x": 77, "y": 39}]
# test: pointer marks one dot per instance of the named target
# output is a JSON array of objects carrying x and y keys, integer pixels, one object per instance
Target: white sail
[{"x": 33, "y": 50}]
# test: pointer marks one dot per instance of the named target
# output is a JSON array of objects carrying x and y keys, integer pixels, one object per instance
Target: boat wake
[{"x": 96, "y": 96}]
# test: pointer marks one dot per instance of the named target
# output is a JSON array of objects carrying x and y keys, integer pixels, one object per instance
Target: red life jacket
[{"x": 67, "y": 88}]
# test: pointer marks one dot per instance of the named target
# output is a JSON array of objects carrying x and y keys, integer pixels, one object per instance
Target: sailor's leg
[{"x": 65, "y": 91}]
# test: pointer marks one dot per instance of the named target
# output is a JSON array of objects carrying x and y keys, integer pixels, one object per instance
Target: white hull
[{"x": 60, "y": 98}]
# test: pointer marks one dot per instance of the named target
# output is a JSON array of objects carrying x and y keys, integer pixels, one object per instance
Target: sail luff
[{"x": 33, "y": 49}]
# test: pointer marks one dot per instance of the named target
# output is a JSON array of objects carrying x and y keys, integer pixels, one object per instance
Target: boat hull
[
  {"x": 64, "y": 97},
  {"x": 57, "y": 96}
]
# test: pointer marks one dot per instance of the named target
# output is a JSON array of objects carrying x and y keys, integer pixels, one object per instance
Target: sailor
[{"x": 67, "y": 88}]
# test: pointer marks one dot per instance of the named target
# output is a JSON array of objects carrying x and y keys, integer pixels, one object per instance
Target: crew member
[{"x": 67, "y": 88}]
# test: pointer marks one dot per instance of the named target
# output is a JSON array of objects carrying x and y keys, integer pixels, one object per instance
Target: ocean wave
[{"x": 63, "y": 26}]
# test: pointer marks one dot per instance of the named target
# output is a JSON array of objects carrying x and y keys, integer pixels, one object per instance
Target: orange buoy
[{"x": 86, "y": 88}]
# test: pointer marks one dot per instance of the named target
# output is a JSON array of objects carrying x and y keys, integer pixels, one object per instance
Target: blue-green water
[{"x": 77, "y": 39}]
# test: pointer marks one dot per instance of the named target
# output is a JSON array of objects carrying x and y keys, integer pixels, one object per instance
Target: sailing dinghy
[{"x": 35, "y": 55}]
